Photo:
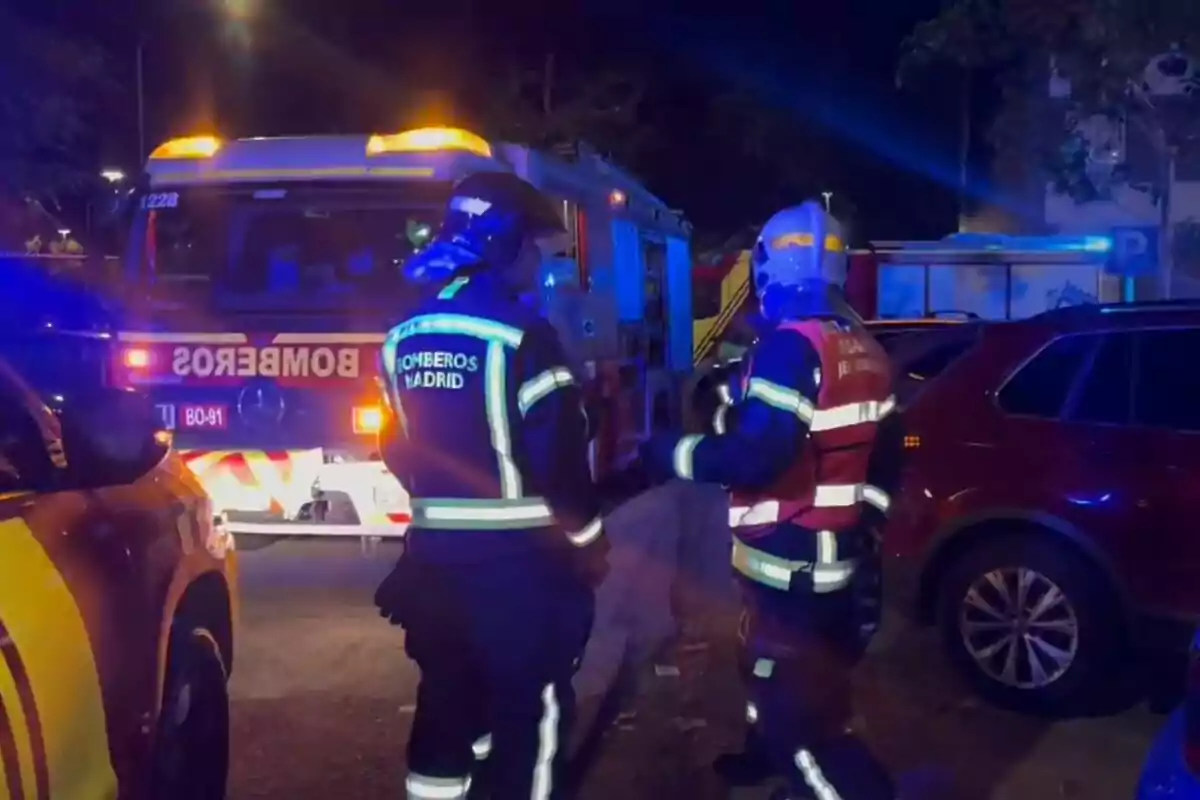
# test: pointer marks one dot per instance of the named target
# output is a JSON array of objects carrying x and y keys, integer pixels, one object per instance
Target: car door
[
  {"x": 1166, "y": 417},
  {"x": 1032, "y": 460},
  {"x": 53, "y": 734},
  {"x": 1118, "y": 486}
]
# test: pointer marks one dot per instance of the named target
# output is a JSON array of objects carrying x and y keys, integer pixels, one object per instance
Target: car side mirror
[{"x": 110, "y": 436}]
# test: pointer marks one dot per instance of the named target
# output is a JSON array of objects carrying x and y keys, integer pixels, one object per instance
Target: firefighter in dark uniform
[
  {"x": 496, "y": 587},
  {"x": 797, "y": 458}
]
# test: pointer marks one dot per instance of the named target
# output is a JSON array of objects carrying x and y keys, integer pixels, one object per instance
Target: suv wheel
[
  {"x": 191, "y": 758},
  {"x": 1030, "y": 624}
]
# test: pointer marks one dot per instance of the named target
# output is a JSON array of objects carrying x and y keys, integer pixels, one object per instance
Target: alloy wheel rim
[{"x": 1019, "y": 627}]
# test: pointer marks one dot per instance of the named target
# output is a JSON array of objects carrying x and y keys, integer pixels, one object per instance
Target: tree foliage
[
  {"x": 786, "y": 161},
  {"x": 46, "y": 110},
  {"x": 1099, "y": 48},
  {"x": 555, "y": 102}
]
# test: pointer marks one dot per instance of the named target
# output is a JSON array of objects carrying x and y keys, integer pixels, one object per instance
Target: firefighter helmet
[
  {"x": 798, "y": 258},
  {"x": 489, "y": 220}
]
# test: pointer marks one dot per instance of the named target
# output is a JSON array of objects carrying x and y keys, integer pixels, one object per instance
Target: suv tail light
[{"x": 1191, "y": 711}]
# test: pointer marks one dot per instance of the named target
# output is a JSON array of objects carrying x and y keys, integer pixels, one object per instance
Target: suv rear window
[
  {"x": 935, "y": 361},
  {"x": 1167, "y": 389},
  {"x": 1104, "y": 394},
  {"x": 1040, "y": 387},
  {"x": 920, "y": 357}
]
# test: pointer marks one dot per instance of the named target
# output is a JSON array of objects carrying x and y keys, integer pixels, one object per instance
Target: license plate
[{"x": 205, "y": 416}]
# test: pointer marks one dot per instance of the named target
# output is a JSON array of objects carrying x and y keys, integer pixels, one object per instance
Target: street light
[
  {"x": 240, "y": 10},
  {"x": 827, "y": 196},
  {"x": 113, "y": 176}
]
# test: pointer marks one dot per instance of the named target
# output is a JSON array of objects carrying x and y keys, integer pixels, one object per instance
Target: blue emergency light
[{"x": 1024, "y": 244}]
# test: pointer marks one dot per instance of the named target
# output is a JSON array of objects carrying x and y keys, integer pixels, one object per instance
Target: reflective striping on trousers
[
  {"x": 851, "y": 414},
  {"x": 541, "y": 386},
  {"x": 780, "y": 397},
  {"x": 424, "y": 787},
  {"x": 543, "y": 768},
  {"x": 763, "y": 567},
  {"x": 434, "y": 513},
  {"x": 827, "y": 496},
  {"x": 751, "y": 713},
  {"x": 811, "y": 771},
  {"x": 828, "y": 573},
  {"x": 481, "y": 748}
]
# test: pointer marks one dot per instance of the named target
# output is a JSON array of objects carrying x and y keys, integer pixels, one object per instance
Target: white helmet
[{"x": 799, "y": 256}]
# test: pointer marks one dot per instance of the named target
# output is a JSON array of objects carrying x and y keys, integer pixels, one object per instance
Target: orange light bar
[
  {"x": 912, "y": 442},
  {"x": 187, "y": 147},
  {"x": 429, "y": 140},
  {"x": 367, "y": 419},
  {"x": 136, "y": 357}
]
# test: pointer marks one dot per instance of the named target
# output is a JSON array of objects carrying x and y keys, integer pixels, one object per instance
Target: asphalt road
[{"x": 323, "y": 694}]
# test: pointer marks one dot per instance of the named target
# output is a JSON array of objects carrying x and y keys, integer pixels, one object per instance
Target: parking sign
[{"x": 1135, "y": 251}]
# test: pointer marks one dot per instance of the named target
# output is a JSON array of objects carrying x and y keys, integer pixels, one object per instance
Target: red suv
[{"x": 1049, "y": 521}]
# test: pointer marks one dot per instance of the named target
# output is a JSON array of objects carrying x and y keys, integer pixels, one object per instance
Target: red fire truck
[
  {"x": 268, "y": 271},
  {"x": 990, "y": 276}
]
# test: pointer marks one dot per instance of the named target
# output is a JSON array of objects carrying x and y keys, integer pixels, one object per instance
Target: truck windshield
[{"x": 295, "y": 247}]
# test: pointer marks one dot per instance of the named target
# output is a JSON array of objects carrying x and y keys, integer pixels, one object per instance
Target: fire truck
[
  {"x": 984, "y": 275},
  {"x": 267, "y": 272}
]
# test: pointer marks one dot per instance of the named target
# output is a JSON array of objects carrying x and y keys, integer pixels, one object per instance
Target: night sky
[{"x": 313, "y": 66}]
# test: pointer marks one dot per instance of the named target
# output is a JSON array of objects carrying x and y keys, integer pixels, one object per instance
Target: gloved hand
[
  {"x": 591, "y": 562},
  {"x": 394, "y": 597}
]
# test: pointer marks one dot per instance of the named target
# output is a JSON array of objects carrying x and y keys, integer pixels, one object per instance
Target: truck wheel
[
  {"x": 1030, "y": 624},
  {"x": 191, "y": 751}
]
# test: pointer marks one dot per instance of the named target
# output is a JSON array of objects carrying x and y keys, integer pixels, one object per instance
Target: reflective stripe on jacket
[
  {"x": 477, "y": 382},
  {"x": 825, "y": 488}
]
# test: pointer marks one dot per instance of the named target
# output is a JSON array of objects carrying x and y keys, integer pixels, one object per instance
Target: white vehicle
[{"x": 268, "y": 270}]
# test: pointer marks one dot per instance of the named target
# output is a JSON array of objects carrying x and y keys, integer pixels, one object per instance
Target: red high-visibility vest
[{"x": 826, "y": 486}]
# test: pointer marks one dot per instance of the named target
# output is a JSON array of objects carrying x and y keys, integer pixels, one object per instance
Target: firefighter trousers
[
  {"x": 799, "y": 649},
  {"x": 497, "y": 645}
]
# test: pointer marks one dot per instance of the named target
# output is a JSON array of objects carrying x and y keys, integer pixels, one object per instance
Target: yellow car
[{"x": 117, "y": 600}]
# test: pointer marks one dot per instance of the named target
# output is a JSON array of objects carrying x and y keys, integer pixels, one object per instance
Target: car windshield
[{"x": 302, "y": 247}]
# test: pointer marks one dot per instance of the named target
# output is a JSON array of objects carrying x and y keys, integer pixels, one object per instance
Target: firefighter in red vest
[{"x": 804, "y": 511}]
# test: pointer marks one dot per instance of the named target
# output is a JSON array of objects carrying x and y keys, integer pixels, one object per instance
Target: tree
[
  {"x": 783, "y": 160},
  {"x": 46, "y": 122},
  {"x": 1113, "y": 74},
  {"x": 1074, "y": 75},
  {"x": 557, "y": 102}
]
